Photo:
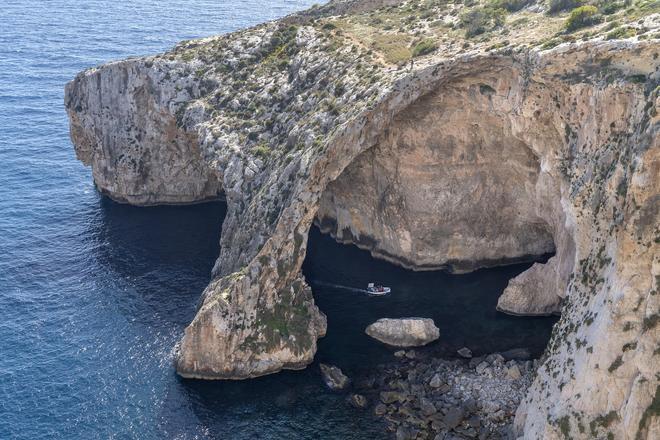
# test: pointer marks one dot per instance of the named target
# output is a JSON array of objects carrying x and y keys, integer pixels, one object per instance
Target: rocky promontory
[{"x": 434, "y": 134}]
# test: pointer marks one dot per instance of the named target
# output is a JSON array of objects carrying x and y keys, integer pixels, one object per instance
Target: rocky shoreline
[{"x": 420, "y": 396}]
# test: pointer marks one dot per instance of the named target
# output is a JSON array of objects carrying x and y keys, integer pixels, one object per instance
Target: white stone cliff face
[
  {"x": 137, "y": 153},
  {"x": 548, "y": 151}
]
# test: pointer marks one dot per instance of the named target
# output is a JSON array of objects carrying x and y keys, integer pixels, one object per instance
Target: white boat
[{"x": 375, "y": 290}]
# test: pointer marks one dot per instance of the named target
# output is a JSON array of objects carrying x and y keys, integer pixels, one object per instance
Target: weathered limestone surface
[
  {"x": 333, "y": 377},
  {"x": 404, "y": 332},
  {"x": 123, "y": 126},
  {"x": 279, "y": 118},
  {"x": 527, "y": 294},
  {"x": 448, "y": 186}
]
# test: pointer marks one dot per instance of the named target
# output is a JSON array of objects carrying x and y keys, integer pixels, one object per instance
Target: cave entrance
[
  {"x": 447, "y": 186},
  {"x": 462, "y": 306}
]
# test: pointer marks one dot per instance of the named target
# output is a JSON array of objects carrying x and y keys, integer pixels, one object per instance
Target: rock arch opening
[{"x": 453, "y": 184}]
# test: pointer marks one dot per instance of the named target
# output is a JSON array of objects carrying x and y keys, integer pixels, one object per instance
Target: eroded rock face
[
  {"x": 217, "y": 345},
  {"x": 274, "y": 115},
  {"x": 404, "y": 332},
  {"x": 527, "y": 294},
  {"x": 333, "y": 377},
  {"x": 449, "y": 186},
  {"x": 124, "y": 127}
]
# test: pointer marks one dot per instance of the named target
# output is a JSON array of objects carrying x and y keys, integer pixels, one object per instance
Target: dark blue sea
[{"x": 94, "y": 294}]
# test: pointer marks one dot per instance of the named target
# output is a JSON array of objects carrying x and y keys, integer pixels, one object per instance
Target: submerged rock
[
  {"x": 380, "y": 409},
  {"x": 286, "y": 399},
  {"x": 404, "y": 332},
  {"x": 405, "y": 433},
  {"x": 411, "y": 354},
  {"x": 519, "y": 354},
  {"x": 392, "y": 396},
  {"x": 358, "y": 401},
  {"x": 333, "y": 377}
]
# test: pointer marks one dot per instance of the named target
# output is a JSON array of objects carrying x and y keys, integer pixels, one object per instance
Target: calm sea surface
[{"x": 94, "y": 295}]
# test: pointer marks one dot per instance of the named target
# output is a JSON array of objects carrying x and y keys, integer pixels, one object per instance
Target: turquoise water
[{"x": 94, "y": 295}]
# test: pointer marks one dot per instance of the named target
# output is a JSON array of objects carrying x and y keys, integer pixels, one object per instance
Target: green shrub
[
  {"x": 497, "y": 17},
  {"x": 474, "y": 22},
  {"x": 509, "y": 5},
  {"x": 549, "y": 44},
  {"x": 609, "y": 7},
  {"x": 611, "y": 25},
  {"x": 423, "y": 48},
  {"x": 284, "y": 36},
  {"x": 262, "y": 151},
  {"x": 282, "y": 44},
  {"x": 555, "y": 6},
  {"x": 582, "y": 17},
  {"x": 621, "y": 33},
  {"x": 480, "y": 20}
]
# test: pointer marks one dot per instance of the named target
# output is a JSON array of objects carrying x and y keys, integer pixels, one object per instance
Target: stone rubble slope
[{"x": 429, "y": 398}]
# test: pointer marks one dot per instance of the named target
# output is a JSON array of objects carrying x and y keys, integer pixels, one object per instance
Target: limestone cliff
[
  {"x": 124, "y": 126},
  {"x": 403, "y": 131}
]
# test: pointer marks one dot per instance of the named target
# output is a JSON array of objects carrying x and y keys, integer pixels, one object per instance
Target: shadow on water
[
  {"x": 166, "y": 253},
  {"x": 296, "y": 404},
  {"x": 161, "y": 259}
]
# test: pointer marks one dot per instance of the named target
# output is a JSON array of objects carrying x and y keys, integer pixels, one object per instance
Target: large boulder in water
[{"x": 404, "y": 332}]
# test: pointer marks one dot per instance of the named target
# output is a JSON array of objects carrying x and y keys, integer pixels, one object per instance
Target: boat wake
[
  {"x": 338, "y": 286},
  {"x": 369, "y": 291}
]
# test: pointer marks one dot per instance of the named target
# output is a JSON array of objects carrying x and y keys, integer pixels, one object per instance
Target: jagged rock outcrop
[
  {"x": 527, "y": 294},
  {"x": 404, "y": 332},
  {"x": 559, "y": 145}
]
